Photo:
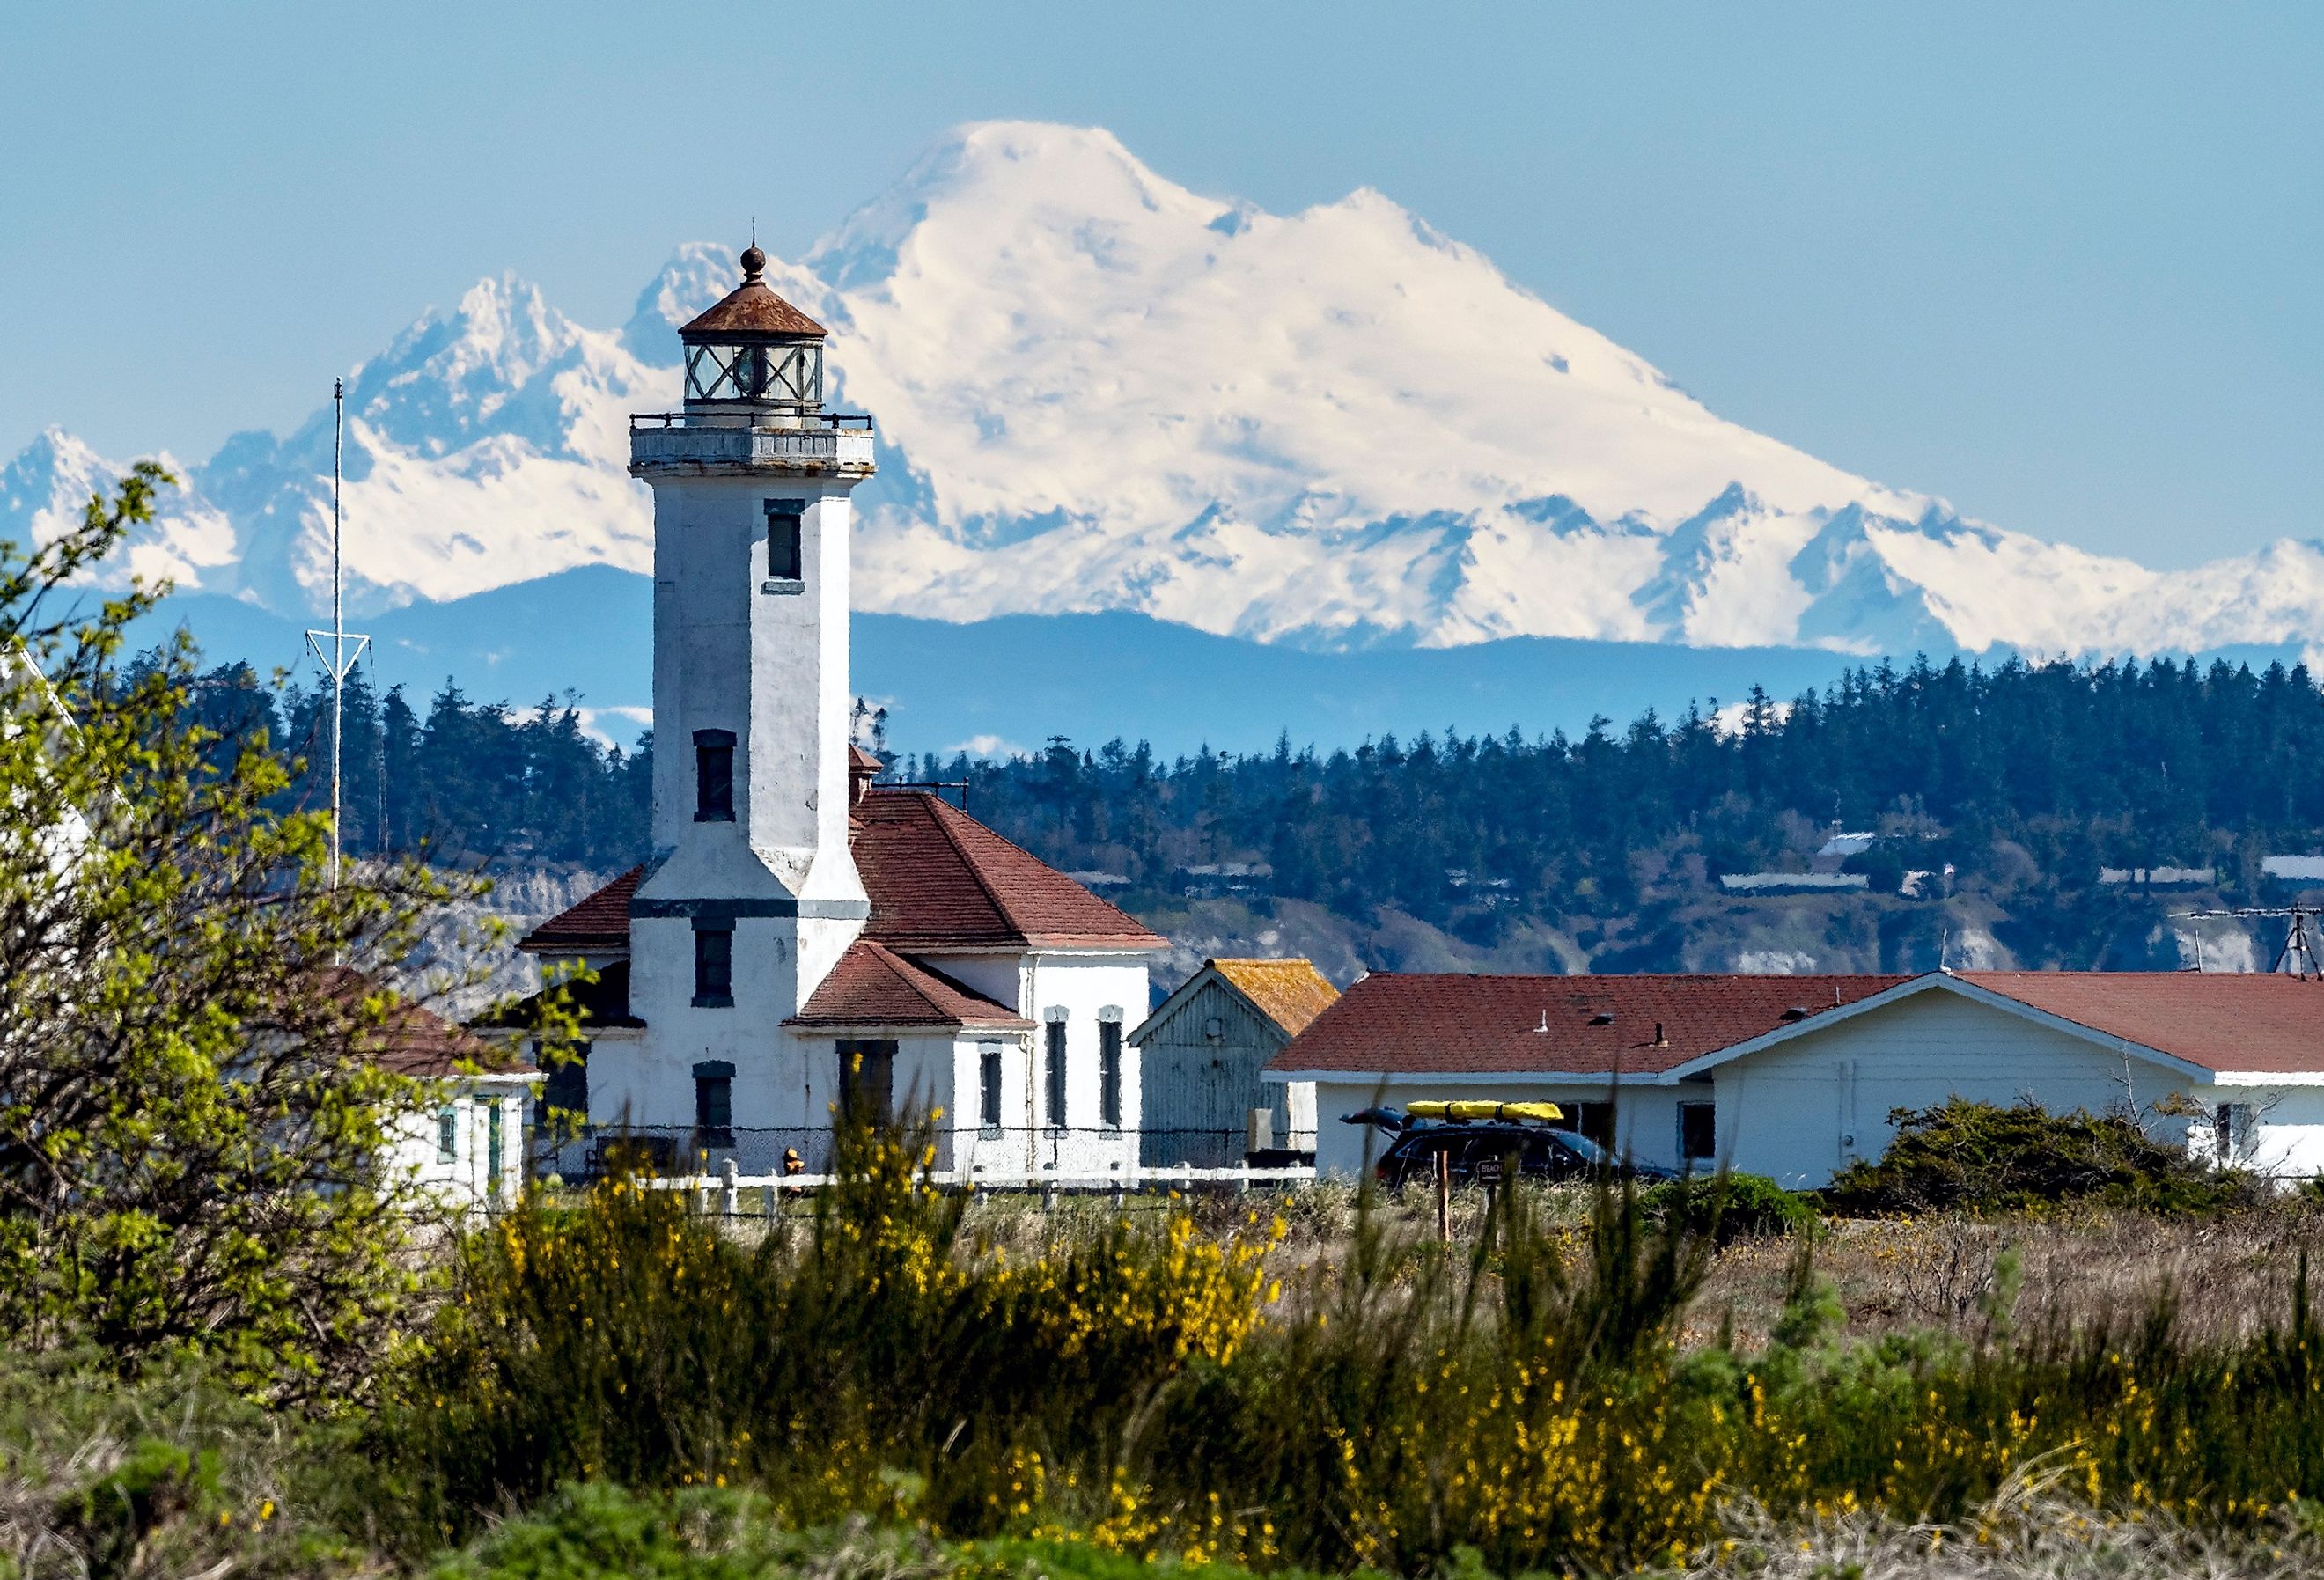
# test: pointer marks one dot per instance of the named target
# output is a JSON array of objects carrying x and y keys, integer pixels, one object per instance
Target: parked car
[{"x": 1535, "y": 1152}]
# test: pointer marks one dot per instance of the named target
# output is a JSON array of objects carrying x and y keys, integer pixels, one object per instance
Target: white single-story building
[
  {"x": 1796, "y": 1077},
  {"x": 467, "y": 1148}
]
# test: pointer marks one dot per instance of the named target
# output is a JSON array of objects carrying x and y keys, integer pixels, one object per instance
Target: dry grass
[
  {"x": 2229, "y": 1276},
  {"x": 2026, "y": 1532}
]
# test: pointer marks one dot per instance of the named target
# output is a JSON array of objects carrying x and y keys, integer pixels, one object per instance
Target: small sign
[{"x": 1489, "y": 1170}]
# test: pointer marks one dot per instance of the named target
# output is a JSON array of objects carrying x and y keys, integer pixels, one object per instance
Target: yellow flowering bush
[{"x": 1138, "y": 1386}]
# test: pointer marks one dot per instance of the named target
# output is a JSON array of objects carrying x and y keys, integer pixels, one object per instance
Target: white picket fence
[{"x": 723, "y": 1193}]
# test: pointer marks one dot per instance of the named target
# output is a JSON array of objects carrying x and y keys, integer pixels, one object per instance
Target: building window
[
  {"x": 1698, "y": 1132},
  {"x": 1056, "y": 1051},
  {"x": 1109, "y": 1074},
  {"x": 988, "y": 1089},
  {"x": 1594, "y": 1120},
  {"x": 2231, "y": 1137},
  {"x": 448, "y": 1134},
  {"x": 713, "y": 963},
  {"x": 713, "y": 776},
  {"x": 493, "y": 1147},
  {"x": 783, "y": 556},
  {"x": 714, "y": 1104},
  {"x": 867, "y": 1079},
  {"x": 565, "y": 1094}
]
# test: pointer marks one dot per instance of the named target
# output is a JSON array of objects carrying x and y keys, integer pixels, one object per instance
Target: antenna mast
[
  {"x": 2300, "y": 951},
  {"x": 342, "y": 660}
]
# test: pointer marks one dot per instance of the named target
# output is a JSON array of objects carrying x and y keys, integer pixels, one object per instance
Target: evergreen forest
[{"x": 2016, "y": 783}]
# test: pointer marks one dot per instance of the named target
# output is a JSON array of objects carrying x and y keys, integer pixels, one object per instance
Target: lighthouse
[
  {"x": 750, "y": 896},
  {"x": 803, "y": 941}
]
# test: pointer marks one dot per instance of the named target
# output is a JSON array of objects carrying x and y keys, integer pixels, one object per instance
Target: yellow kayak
[{"x": 1474, "y": 1109}]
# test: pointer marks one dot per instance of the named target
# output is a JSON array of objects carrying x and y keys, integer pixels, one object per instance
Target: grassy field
[{"x": 894, "y": 1383}]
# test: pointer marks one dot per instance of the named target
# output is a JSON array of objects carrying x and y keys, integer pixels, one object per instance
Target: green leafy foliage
[
  {"x": 195, "y": 1122},
  {"x": 600, "y": 1531},
  {"x": 1977, "y": 1157}
]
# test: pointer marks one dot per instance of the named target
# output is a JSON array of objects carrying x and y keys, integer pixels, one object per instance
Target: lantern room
[{"x": 753, "y": 355}]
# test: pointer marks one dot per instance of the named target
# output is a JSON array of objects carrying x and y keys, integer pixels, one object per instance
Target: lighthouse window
[
  {"x": 783, "y": 557},
  {"x": 713, "y": 1103},
  {"x": 713, "y": 776},
  {"x": 713, "y": 963}
]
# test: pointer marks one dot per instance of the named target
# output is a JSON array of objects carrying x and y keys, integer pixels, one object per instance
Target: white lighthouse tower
[
  {"x": 751, "y": 895},
  {"x": 803, "y": 941}
]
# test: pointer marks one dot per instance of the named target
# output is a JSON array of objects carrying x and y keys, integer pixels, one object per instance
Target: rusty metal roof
[{"x": 753, "y": 309}]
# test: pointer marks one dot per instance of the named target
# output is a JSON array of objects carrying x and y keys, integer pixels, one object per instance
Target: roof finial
[{"x": 754, "y": 262}]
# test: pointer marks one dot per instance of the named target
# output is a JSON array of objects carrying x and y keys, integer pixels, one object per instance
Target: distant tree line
[
  {"x": 2025, "y": 777},
  {"x": 465, "y": 780}
]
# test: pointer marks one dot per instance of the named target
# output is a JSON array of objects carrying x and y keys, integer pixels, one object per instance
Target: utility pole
[{"x": 342, "y": 661}]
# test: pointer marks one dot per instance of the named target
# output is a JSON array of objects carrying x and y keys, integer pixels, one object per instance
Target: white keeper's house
[
  {"x": 1796, "y": 1077},
  {"x": 802, "y": 937}
]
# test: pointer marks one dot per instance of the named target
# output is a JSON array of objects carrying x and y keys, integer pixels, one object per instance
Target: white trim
[
  {"x": 1469, "y": 1077},
  {"x": 1033, "y": 952},
  {"x": 2262, "y": 1078},
  {"x": 1943, "y": 981},
  {"x": 879, "y": 1031}
]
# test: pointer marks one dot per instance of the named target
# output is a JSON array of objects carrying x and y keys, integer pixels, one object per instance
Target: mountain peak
[
  {"x": 698, "y": 275},
  {"x": 1097, "y": 389}
]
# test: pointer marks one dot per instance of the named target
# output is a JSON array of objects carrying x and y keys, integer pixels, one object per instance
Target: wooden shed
[{"x": 1201, "y": 1055}]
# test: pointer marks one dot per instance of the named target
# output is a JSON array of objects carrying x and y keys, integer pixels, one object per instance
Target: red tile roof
[
  {"x": 600, "y": 1004},
  {"x": 409, "y": 1039},
  {"x": 873, "y": 986},
  {"x": 598, "y": 923},
  {"x": 938, "y": 879},
  {"x": 1392, "y": 1023},
  {"x": 2221, "y": 1021}
]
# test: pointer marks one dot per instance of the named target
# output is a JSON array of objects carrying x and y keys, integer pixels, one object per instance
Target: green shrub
[
  {"x": 599, "y": 1531},
  {"x": 1728, "y": 1207},
  {"x": 172, "y": 1473},
  {"x": 1977, "y": 1157}
]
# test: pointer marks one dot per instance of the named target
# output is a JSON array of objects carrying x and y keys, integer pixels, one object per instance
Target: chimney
[
  {"x": 1660, "y": 1040},
  {"x": 862, "y": 768}
]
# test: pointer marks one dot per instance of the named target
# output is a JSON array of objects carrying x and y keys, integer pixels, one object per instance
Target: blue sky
[{"x": 2057, "y": 263}]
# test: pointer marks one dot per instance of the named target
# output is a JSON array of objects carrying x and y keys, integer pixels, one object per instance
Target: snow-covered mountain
[{"x": 1097, "y": 390}]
